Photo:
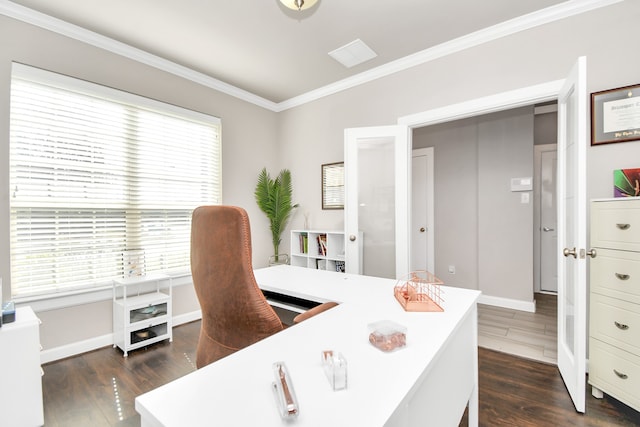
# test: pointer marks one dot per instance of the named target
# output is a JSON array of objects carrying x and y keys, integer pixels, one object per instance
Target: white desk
[{"x": 430, "y": 381}]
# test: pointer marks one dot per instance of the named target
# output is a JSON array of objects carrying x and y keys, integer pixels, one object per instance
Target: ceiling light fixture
[{"x": 298, "y": 4}]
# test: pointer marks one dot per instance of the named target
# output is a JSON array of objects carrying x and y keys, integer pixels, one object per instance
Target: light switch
[
  {"x": 524, "y": 198},
  {"x": 522, "y": 184}
]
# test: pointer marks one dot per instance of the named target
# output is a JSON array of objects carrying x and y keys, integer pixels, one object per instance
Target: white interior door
[
  {"x": 377, "y": 171},
  {"x": 548, "y": 221},
  {"x": 422, "y": 222},
  {"x": 572, "y": 145}
]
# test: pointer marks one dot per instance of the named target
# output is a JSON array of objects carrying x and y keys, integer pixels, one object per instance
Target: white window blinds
[{"x": 97, "y": 174}]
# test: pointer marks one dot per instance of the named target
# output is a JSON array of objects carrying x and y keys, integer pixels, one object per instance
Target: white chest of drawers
[{"x": 614, "y": 326}]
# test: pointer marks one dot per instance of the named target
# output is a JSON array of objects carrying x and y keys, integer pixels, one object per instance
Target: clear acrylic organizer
[{"x": 335, "y": 368}]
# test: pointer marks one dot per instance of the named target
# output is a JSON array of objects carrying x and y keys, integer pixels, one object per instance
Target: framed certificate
[{"x": 615, "y": 115}]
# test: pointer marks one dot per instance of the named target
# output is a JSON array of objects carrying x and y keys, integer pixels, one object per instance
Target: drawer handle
[
  {"x": 623, "y": 226},
  {"x": 621, "y": 326},
  {"x": 622, "y": 276},
  {"x": 621, "y": 375}
]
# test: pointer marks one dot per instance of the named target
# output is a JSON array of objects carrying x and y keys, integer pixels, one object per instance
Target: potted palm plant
[{"x": 274, "y": 199}]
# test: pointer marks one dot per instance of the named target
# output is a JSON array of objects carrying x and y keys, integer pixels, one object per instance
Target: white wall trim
[
  {"x": 513, "y": 304},
  {"x": 504, "y": 29},
  {"x": 522, "y": 23},
  {"x": 488, "y": 104},
  {"x": 59, "y": 301},
  {"x": 79, "y": 347}
]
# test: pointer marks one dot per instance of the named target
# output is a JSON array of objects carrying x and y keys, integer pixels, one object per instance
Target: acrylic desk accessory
[
  {"x": 335, "y": 368},
  {"x": 284, "y": 393},
  {"x": 387, "y": 336},
  {"x": 419, "y": 291}
]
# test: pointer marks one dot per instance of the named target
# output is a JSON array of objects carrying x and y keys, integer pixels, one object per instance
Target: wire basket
[{"x": 419, "y": 291}]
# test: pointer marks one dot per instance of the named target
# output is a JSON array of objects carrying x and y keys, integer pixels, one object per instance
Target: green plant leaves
[{"x": 274, "y": 199}]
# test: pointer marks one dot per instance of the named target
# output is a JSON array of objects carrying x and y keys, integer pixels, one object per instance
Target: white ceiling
[{"x": 278, "y": 54}]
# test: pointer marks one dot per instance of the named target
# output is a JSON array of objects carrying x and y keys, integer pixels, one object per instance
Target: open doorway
[
  {"x": 544, "y": 199},
  {"x": 459, "y": 179},
  {"x": 571, "y": 94}
]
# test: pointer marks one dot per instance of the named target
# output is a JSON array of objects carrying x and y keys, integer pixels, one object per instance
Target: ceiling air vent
[{"x": 353, "y": 53}]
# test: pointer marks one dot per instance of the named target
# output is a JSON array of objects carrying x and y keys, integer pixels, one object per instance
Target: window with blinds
[{"x": 98, "y": 174}]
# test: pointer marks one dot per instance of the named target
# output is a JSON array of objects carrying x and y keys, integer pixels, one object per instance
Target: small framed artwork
[
  {"x": 626, "y": 183},
  {"x": 333, "y": 186},
  {"x": 615, "y": 115}
]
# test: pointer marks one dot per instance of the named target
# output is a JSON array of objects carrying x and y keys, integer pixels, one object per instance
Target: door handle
[
  {"x": 547, "y": 229},
  {"x": 422, "y": 229},
  {"x": 592, "y": 253},
  {"x": 566, "y": 252},
  {"x": 352, "y": 237}
]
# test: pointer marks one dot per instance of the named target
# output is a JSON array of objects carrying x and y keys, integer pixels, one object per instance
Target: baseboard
[
  {"x": 95, "y": 343},
  {"x": 75, "y": 348},
  {"x": 514, "y": 304},
  {"x": 181, "y": 319}
]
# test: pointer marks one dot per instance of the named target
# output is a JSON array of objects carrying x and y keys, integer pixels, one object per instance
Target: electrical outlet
[{"x": 452, "y": 269}]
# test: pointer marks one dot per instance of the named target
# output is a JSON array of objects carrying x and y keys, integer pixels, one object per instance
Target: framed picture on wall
[
  {"x": 333, "y": 186},
  {"x": 615, "y": 115}
]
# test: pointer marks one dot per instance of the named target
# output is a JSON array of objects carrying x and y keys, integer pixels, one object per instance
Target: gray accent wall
[{"x": 481, "y": 226}]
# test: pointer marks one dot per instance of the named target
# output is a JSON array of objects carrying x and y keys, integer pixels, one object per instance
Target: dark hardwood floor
[
  {"x": 520, "y": 392},
  {"x": 98, "y": 388}
]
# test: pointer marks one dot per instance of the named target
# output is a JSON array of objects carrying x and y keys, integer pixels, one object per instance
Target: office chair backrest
[{"x": 235, "y": 313}]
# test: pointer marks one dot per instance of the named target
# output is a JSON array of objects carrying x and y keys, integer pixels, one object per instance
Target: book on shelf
[
  {"x": 304, "y": 243},
  {"x": 322, "y": 244}
]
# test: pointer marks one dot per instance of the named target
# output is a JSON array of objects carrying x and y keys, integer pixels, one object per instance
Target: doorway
[
  {"x": 422, "y": 220},
  {"x": 545, "y": 219},
  {"x": 571, "y": 94}
]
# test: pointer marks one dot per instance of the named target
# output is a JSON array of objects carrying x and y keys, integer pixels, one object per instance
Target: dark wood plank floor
[{"x": 98, "y": 388}]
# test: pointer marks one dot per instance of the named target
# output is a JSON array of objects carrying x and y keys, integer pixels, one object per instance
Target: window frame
[{"x": 65, "y": 297}]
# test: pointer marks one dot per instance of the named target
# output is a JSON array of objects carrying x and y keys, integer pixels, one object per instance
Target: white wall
[
  {"x": 249, "y": 135},
  {"x": 313, "y": 133},
  {"x": 303, "y": 138}
]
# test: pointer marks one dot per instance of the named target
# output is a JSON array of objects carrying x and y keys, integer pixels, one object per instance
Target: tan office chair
[{"x": 235, "y": 313}]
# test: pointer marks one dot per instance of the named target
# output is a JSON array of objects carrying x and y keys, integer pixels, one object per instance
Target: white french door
[
  {"x": 572, "y": 226},
  {"x": 377, "y": 172}
]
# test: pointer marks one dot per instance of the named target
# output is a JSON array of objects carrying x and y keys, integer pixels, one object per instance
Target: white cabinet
[
  {"x": 319, "y": 249},
  {"x": 21, "y": 391},
  {"x": 614, "y": 324},
  {"x": 141, "y": 311}
]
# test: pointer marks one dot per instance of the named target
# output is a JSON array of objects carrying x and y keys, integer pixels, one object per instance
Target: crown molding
[{"x": 522, "y": 23}]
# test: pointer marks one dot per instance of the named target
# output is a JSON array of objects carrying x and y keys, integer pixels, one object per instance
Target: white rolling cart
[{"x": 141, "y": 311}]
